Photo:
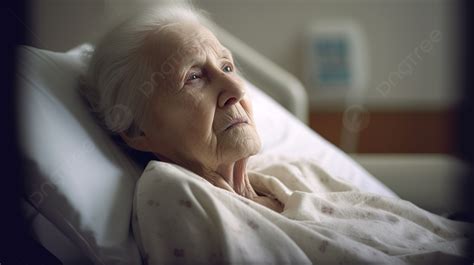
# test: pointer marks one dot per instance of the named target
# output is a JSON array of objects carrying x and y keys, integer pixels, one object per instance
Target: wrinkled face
[{"x": 199, "y": 111}]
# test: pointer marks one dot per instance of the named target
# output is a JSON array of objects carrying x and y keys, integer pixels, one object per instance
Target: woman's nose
[{"x": 231, "y": 91}]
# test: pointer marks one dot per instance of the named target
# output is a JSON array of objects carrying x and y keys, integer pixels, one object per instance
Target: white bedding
[
  {"x": 180, "y": 218},
  {"x": 283, "y": 134}
]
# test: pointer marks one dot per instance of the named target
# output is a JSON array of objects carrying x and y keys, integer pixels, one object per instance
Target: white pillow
[{"x": 77, "y": 177}]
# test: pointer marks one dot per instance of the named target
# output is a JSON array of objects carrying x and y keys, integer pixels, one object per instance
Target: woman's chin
[{"x": 246, "y": 147}]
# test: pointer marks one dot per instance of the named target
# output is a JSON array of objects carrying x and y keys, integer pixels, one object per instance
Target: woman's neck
[
  {"x": 229, "y": 176},
  {"x": 233, "y": 177}
]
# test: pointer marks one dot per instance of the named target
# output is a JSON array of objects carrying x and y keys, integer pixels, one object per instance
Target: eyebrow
[
  {"x": 222, "y": 53},
  {"x": 226, "y": 52}
]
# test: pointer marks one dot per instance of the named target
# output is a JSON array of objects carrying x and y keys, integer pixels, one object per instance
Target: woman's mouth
[{"x": 236, "y": 122}]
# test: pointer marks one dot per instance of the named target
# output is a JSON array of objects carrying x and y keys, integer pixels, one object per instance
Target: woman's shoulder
[
  {"x": 297, "y": 173},
  {"x": 261, "y": 162},
  {"x": 285, "y": 167},
  {"x": 159, "y": 175}
]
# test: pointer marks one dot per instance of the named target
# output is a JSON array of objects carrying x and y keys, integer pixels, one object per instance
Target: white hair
[{"x": 115, "y": 84}]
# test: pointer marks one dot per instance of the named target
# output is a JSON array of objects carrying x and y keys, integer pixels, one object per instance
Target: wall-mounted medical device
[{"x": 335, "y": 60}]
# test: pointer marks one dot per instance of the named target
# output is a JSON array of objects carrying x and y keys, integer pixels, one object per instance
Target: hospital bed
[{"x": 80, "y": 183}]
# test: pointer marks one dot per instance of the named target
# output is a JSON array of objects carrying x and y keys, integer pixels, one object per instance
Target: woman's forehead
[
  {"x": 178, "y": 46},
  {"x": 183, "y": 40},
  {"x": 181, "y": 45}
]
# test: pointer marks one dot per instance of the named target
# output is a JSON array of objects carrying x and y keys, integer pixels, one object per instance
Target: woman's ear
[{"x": 139, "y": 142}]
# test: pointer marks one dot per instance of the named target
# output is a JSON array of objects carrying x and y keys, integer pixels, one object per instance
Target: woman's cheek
[
  {"x": 192, "y": 99},
  {"x": 247, "y": 106}
]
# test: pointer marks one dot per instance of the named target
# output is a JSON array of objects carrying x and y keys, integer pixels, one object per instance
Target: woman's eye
[
  {"x": 227, "y": 68},
  {"x": 193, "y": 76}
]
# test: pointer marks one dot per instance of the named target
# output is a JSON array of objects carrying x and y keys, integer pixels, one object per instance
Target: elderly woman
[
  {"x": 196, "y": 115},
  {"x": 165, "y": 84}
]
